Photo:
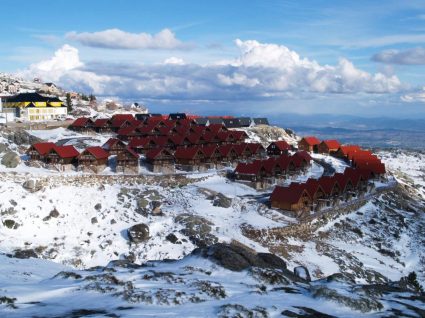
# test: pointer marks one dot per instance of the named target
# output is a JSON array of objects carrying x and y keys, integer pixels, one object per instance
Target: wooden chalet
[
  {"x": 82, "y": 124},
  {"x": 160, "y": 160},
  {"x": 127, "y": 161},
  {"x": 278, "y": 148},
  {"x": 328, "y": 146},
  {"x": 127, "y": 133},
  {"x": 114, "y": 146},
  {"x": 332, "y": 189},
  {"x": 102, "y": 125},
  {"x": 251, "y": 171},
  {"x": 189, "y": 159},
  {"x": 39, "y": 150},
  {"x": 139, "y": 144},
  {"x": 317, "y": 194},
  {"x": 93, "y": 159},
  {"x": 62, "y": 157},
  {"x": 177, "y": 116},
  {"x": 309, "y": 144},
  {"x": 213, "y": 157},
  {"x": 294, "y": 199},
  {"x": 343, "y": 151}
]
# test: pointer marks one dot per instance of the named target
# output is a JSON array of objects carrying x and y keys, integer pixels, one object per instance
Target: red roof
[
  {"x": 138, "y": 142},
  {"x": 328, "y": 183},
  {"x": 81, "y": 122},
  {"x": 354, "y": 175},
  {"x": 249, "y": 168},
  {"x": 101, "y": 122},
  {"x": 160, "y": 141},
  {"x": 43, "y": 147},
  {"x": 111, "y": 142},
  {"x": 374, "y": 167},
  {"x": 127, "y": 131},
  {"x": 349, "y": 148},
  {"x": 199, "y": 130},
  {"x": 303, "y": 155},
  {"x": 342, "y": 179},
  {"x": 209, "y": 150},
  {"x": 66, "y": 151},
  {"x": 118, "y": 123},
  {"x": 132, "y": 152},
  {"x": 152, "y": 154},
  {"x": 331, "y": 143},
  {"x": 291, "y": 194},
  {"x": 123, "y": 117},
  {"x": 255, "y": 148},
  {"x": 225, "y": 149},
  {"x": 284, "y": 161},
  {"x": 215, "y": 128},
  {"x": 238, "y": 134},
  {"x": 97, "y": 152},
  {"x": 311, "y": 140},
  {"x": 281, "y": 145},
  {"x": 187, "y": 153}
]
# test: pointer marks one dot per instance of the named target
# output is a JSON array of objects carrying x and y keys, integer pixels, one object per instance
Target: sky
[{"x": 364, "y": 58}]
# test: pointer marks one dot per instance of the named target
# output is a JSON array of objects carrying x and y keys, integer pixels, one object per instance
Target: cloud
[
  {"x": 418, "y": 96},
  {"x": 415, "y": 56},
  {"x": 261, "y": 71},
  {"x": 118, "y": 39}
]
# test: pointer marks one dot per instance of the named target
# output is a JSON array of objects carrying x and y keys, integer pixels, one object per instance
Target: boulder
[
  {"x": 98, "y": 207},
  {"x": 94, "y": 220},
  {"x": 172, "y": 238},
  {"x": 3, "y": 147},
  {"x": 238, "y": 258},
  {"x": 10, "y": 159},
  {"x": 10, "y": 224},
  {"x": 156, "y": 207},
  {"x": 138, "y": 233},
  {"x": 222, "y": 201},
  {"x": 32, "y": 185},
  {"x": 303, "y": 273}
]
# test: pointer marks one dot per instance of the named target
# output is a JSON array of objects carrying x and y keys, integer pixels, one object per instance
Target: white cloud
[
  {"x": 261, "y": 71},
  {"x": 415, "y": 56},
  {"x": 118, "y": 39},
  {"x": 418, "y": 96}
]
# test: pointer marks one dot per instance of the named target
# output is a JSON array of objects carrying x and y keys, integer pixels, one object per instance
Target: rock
[
  {"x": 54, "y": 213},
  {"x": 341, "y": 278},
  {"x": 197, "y": 229},
  {"x": 138, "y": 233},
  {"x": 172, "y": 238},
  {"x": 94, "y": 220},
  {"x": 303, "y": 273},
  {"x": 113, "y": 221},
  {"x": 98, "y": 207},
  {"x": 32, "y": 185},
  {"x": 156, "y": 207},
  {"x": 3, "y": 147},
  {"x": 222, "y": 201},
  {"x": 124, "y": 263},
  {"x": 238, "y": 258},
  {"x": 29, "y": 253},
  {"x": 10, "y": 224},
  {"x": 10, "y": 159}
]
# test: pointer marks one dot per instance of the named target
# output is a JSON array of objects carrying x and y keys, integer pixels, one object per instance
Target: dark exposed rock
[
  {"x": 238, "y": 258},
  {"x": 94, "y": 220},
  {"x": 11, "y": 224},
  {"x": 98, "y": 207},
  {"x": 67, "y": 275},
  {"x": 222, "y": 201},
  {"x": 3, "y": 147},
  {"x": 28, "y": 253},
  {"x": 125, "y": 263},
  {"x": 305, "y": 312},
  {"x": 172, "y": 238},
  {"x": 239, "y": 311},
  {"x": 32, "y": 185},
  {"x": 138, "y": 233},
  {"x": 197, "y": 229}
]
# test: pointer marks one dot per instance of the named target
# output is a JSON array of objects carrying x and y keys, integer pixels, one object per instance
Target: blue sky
[{"x": 345, "y": 57}]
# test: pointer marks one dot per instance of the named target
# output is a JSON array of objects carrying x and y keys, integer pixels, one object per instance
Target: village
[{"x": 182, "y": 143}]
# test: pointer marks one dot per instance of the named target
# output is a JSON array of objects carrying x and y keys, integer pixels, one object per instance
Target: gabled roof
[
  {"x": 260, "y": 121},
  {"x": 311, "y": 140},
  {"x": 215, "y": 121},
  {"x": 43, "y": 147},
  {"x": 111, "y": 142},
  {"x": 82, "y": 122},
  {"x": 159, "y": 141},
  {"x": 291, "y": 194},
  {"x": 241, "y": 148},
  {"x": 27, "y": 97},
  {"x": 331, "y": 143},
  {"x": 302, "y": 154},
  {"x": 226, "y": 149},
  {"x": 328, "y": 183},
  {"x": 251, "y": 168},
  {"x": 118, "y": 123},
  {"x": 312, "y": 186},
  {"x": 210, "y": 150},
  {"x": 131, "y": 152},
  {"x": 281, "y": 145},
  {"x": 215, "y": 128},
  {"x": 354, "y": 175},
  {"x": 97, "y": 152},
  {"x": 284, "y": 161},
  {"x": 66, "y": 151},
  {"x": 199, "y": 130},
  {"x": 254, "y": 147},
  {"x": 374, "y": 167},
  {"x": 244, "y": 121},
  {"x": 101, "y": 122},
  {"x": 177, "y": 116},
  {"x": 127, "y": 131},
  {"x": 202, "y": 121},
  {"x": 154, "y": 153},
  {"x": 348, "y": 148},
  {"x": 342, "y": 179},
  {"x": 238, "y": 134},
  {"x": 122, "y": 117},
  {"x": 188, "y": 153},
  {"x": 138, "y": 142}
]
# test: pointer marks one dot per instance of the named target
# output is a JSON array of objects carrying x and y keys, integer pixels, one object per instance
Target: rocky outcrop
[
  {"x": 303, "y": 273},
  {"x": 138, "y": 233},
  {"x": 32, "y": 185},
  {"x": 197, "y": 229},
  {"x": 238, "y": 258}
]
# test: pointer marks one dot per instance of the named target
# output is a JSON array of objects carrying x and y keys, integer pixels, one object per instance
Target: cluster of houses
[
  {"x": 352, "y": 154},
  {"x": 327, "y": 191},
  {"x": 92, "y": 159},
  {"x": 175, "y": 141}
]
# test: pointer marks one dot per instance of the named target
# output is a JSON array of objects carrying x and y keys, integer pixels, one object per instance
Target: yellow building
[{"x": 35, "y": 107}]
